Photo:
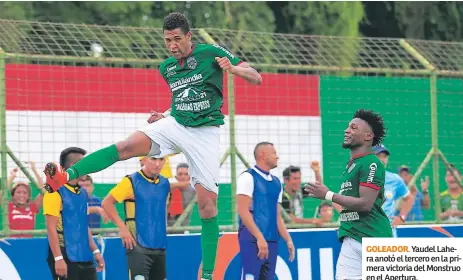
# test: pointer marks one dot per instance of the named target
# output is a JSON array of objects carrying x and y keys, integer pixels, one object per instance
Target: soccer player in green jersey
[
  {"x": 194, "y": 74},
  {"x": 361, "y": 194}
]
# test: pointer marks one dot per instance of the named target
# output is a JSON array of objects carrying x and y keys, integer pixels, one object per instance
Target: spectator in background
[
  {"x": 421, "y": 199},
  {"x": 95, "y": 211},
  {"x": 188, "y": 192},
  {"x": 394, "y": 190},
  {"x": 451, "y": 200},
  {"x": 293, "y": 195},
  {"x": 21, "y": 208},
  {"x": 325, "y": 212}
]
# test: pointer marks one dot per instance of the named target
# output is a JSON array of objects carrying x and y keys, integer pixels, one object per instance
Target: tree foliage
[{"x": 420, "y": 20}]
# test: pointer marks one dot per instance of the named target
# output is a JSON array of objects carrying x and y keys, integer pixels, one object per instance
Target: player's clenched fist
[
  {"x": 224, "y": 63},
  {"x": 155, "y": 116}
]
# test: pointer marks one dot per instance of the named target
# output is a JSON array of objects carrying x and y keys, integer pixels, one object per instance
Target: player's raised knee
[{"x": 137, "y": 144}]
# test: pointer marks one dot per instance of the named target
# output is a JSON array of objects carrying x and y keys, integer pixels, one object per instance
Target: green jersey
[
  {"x": 367, "y": 171},
  {"x": 196, "y": 84},
  {"x": 448, "y": 201}
]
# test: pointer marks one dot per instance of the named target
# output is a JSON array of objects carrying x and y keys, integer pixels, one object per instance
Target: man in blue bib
[
  {"x": 71, "y": 246},
  {"x": 261, "y": 224},
  {"x": 144, "y": 232}
]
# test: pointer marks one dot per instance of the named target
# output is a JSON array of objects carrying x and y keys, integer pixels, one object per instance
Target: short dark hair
[
  {"x": 260, "y": 144},
  {"x": 88, "y": 178},
  {"x": 176, "y": 20},
  {"x": 64, "y": 160},
  {"x": 182, "y": 165},
  {"x": 290, "y": 170},
  {"x": 375, "y": 121}
]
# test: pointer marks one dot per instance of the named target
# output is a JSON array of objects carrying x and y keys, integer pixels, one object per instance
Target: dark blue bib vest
[
  {"x": 75, "y": 225},
  {"x": 150, "y": 211},
  {"x": 264, "y": 207}
]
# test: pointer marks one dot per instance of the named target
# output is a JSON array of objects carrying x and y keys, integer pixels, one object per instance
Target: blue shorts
[{"x": 255, "y": 268}]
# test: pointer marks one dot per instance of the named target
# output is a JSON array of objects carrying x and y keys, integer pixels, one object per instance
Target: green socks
[
  {"x": 209, "y": 240},
  {"x": 94, "y": 162}
]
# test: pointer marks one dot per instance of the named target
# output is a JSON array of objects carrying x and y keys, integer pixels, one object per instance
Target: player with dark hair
[
  {"x": 194, "y": 74},
  {"x": 361, "y": 194},
  {"x": 72, "y": 248}
]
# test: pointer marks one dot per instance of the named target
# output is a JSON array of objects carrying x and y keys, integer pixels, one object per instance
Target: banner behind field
[{"x": 317, "y": 252}]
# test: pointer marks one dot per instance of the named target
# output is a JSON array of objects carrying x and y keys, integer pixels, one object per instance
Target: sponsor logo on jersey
[
  {"x": 196, "y": 78},
  {"x": 225, "y": 50},
  {"x": 345, "y": 186},
  {"x": 193, "y": 107},
  {"x": 351, "y": 167},
  {"x": 372, "y": 172},
  {"x": 349, "y": 216},
  {"x": 191, "y": 62},
  {"x": 190, "y": 95}
]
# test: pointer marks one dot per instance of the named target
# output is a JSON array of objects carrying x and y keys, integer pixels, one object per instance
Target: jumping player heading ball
[
  {"x": 361, "y": 195},
  {"x": 194, "y": 74}
]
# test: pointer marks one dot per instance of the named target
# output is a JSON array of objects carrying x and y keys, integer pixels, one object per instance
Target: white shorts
[
  {"x": 349, "y": 266},
  {"x": 200, "y": 145}
]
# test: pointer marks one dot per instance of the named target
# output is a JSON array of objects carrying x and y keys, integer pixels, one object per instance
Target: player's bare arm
[
  {"x": 96, "y": 252},
  {"x": 180, "y": 185},
  {"x": 283, "y": 231},
  {"x": 60, "y": 265},
  {"x": 364, "y": 203},
  {"x": 426, "y": 203},
  {"x": 242, "y": 70},
  {"x": 108, "y": 205},
  {"x": 406, "y": 206},
  {"x": 100, "y": 211},
  {"x": 297, "y": 220},
  {"x": 156, "y": 116},
  {"x": 244, "y": 202}
]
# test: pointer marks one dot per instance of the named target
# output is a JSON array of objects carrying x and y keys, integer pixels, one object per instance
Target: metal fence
[{"x": 86, "y": 85}]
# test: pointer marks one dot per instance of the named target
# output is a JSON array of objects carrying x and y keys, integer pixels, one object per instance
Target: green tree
[
  {"x": 416, "y": 20},
  {"x": 325, "y": 18},
  {"x": 430, "y": 20},
  {"x": 16, "y": 10}
]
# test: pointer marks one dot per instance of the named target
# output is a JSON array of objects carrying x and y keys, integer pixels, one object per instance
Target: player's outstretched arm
[
  {"x": 242, "y": 70},
  {"x": 363, "y": 203}
]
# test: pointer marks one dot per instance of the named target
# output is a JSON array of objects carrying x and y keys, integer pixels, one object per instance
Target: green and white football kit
[
  {"x": 365, "y": 170},
  {"x": 196, "y": 84}
]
